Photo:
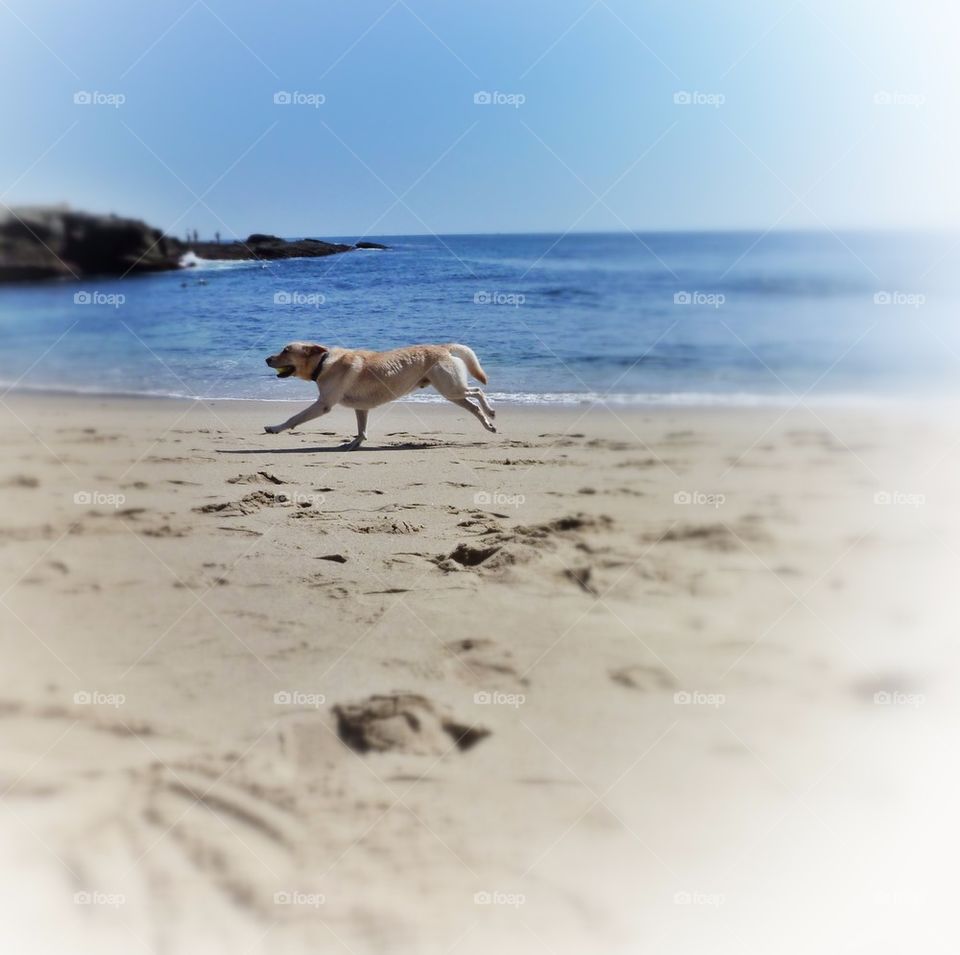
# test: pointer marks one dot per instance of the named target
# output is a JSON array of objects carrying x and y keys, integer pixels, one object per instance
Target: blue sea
[{"x": 661, "y": 318}]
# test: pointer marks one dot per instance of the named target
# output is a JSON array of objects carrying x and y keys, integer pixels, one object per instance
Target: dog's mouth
[{"x": 285, "y": 371}]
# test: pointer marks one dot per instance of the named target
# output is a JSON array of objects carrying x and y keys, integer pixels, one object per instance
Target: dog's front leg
[
  {"x": 361, "y": 432},
  {"x": 318, "y": 408}
]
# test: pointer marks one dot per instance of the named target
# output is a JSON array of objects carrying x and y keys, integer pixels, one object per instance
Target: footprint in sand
[
  {"x": 248, "y": 504},
  {"x": 484, "y": 662},
  {"x": 720, "y": 537},
  {"x": 258, "y": 477},
  {"x": 387, "y": 526},
  {"x": 21, "y": 481},
  {"x": 643, "y": 677},
  {"x": 406, "y": 723},
  {"x": 499, "y": 549}
]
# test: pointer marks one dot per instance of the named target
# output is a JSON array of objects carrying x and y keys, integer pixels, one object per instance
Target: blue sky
[{"x": 802, "y": 114}]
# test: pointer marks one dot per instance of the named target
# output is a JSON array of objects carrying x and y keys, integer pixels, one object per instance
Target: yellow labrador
[{"x": 365, "y": 379}]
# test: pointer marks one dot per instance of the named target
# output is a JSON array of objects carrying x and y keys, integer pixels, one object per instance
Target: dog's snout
[{"x": 267, "y": 360}]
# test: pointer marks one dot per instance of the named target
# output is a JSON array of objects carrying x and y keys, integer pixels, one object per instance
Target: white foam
[
  {"x": 547, "y": 399},
  {"x": 190, "y": 260}
]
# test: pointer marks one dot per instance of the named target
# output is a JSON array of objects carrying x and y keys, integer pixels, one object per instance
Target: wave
[
  {"x": 674, "y": 399},
  {"x": 191, "y": 261}
]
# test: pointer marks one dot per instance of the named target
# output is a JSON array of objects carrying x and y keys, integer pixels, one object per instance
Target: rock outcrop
[
  {"x": 258, "y": 246},
  {"x": 48, "y": 242},
  {"x": 55, "y": 242}
]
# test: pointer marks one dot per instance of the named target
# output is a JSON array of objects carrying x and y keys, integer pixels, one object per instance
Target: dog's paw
[{"x": 272, "y": 428}]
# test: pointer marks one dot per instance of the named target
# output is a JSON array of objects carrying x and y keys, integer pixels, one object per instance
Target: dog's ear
[{"x": 312, "y": 350}]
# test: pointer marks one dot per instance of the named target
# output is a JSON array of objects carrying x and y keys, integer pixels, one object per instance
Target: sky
[{"x": 602, "y": 115}]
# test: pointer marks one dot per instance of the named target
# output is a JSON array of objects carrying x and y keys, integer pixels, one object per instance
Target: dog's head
[{"x": 297, "y": 358}]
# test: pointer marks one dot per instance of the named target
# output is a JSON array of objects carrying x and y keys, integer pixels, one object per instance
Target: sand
[{"x": 607, "y": 681}]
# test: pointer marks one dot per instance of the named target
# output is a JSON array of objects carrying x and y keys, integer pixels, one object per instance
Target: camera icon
[
  {"x": 82, "y": 698},
  {"x": 882, "y": 497},
  {"x": 281, "y": 898},
  {"x": 282, "y": 98},
  {"x": 882, "y": 298},
  {"x": 682, "y": 698},
  {"x": 482, "y": 498},
  {"x": 682, "y": 898},
  {"x": 482, "y": 898},
  {"x": 282, "y": 298},
  {"x": 682, "y": 98},
  {"x": 882, "y": 98},
  {"x": 82, "y": 98},
  {"x": 283, "y": 698},
  {"x": 482, "y": 98},
  {"x": 882, "y": 698},
  {"x": 83, "y": 497},
  {"x": 82, "y": 298},
  {"x": 481, "y": 298},
  {"x": 82, "y": 898},
  {"x": 682, "y": 298},
  {"x": 682, "y": 497},
  {"x": 482, "y": 698}
]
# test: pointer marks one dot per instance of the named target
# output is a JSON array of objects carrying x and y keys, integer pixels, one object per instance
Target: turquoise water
[{"x": 664, "y": 317}]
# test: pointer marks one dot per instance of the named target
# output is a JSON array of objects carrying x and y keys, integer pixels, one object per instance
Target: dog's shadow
[{"x": 328, "y": 449}]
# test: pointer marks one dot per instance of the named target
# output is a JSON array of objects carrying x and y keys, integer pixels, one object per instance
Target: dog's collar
[{"x": 320, "y": 364}]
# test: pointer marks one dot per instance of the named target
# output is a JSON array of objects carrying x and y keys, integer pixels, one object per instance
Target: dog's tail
[{"x": 469, "y": 359}]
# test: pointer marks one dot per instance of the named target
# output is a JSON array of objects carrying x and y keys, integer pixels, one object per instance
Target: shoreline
[{"x": 644, "y": 401}]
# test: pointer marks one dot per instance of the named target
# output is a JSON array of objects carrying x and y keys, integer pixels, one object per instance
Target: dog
[{"x": 362, "y": 380}]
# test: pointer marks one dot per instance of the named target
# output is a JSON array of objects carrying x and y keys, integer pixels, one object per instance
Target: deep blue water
[{"x": 665, "y": 316}]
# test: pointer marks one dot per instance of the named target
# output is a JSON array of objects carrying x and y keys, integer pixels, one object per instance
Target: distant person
[{"x": 216, "y": 235}]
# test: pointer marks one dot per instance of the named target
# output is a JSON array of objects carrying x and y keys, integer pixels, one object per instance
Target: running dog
[{"x": 363, "y": 380}]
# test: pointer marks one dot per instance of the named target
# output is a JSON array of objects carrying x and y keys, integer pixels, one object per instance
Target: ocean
[{"x": 659, "y": 318}]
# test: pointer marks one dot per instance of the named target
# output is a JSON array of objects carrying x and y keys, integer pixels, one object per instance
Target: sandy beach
[{"x": 608, "y": 681}]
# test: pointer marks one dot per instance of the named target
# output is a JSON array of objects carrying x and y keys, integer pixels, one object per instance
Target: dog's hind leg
[
  {"x": 361, "y": 432},
  {"x": 449, "y": 377},
  {"x": 482, "y": 399},
  {"x": 475, "y": 411}
]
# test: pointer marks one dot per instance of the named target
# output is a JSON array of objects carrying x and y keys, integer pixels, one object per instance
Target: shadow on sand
[{"x": 327, "y": 449}]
